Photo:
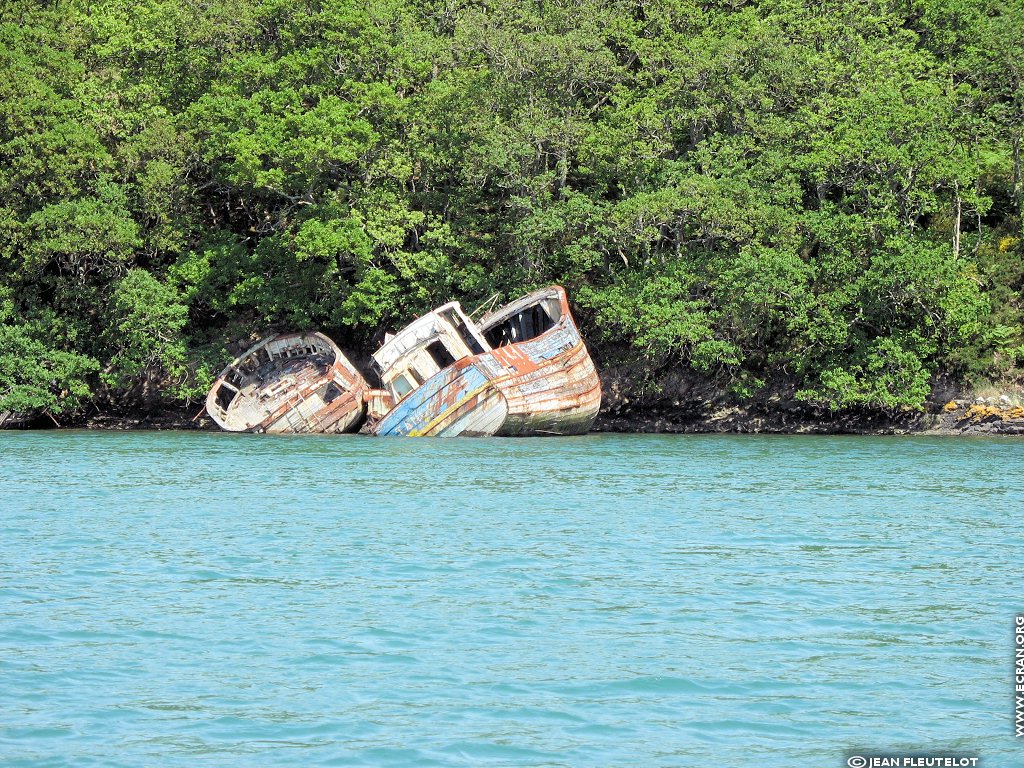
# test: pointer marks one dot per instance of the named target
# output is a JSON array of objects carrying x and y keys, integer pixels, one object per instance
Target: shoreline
[
  {"x": 961, "y": 421},
  {"x": 679, "y": 403},
  {"x": 955, "y": 419}
]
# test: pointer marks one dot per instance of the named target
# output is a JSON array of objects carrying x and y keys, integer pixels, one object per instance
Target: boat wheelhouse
[
  {"x": 297, "y": 382},
  {"x": 430, "y": 370}
]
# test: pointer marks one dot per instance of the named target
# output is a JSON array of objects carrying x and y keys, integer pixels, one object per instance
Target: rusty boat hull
[
  {"x": 289, "y": 383},
  {"x": 534, "y": 376},
  {"x": 551, "y": 385},
  {"x": 460, "y": 401}
]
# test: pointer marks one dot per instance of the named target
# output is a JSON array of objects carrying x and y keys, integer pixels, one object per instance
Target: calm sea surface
[{"x": 178, "y": 599}]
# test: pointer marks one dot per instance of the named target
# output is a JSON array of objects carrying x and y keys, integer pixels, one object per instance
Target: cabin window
[
  {"x": 401, "y": 386},
  {"x": 523, "y": 326},
  {"x": 331, "y": 392},
  {"x": 440, "y": 354},
  {"x": 225, "y": 395}
]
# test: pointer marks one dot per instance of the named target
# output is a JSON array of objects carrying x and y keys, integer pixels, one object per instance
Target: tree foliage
[{"x": 828, "y": 193}]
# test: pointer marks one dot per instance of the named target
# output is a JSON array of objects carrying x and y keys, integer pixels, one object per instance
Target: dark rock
[{"x": 687, "y": 402}]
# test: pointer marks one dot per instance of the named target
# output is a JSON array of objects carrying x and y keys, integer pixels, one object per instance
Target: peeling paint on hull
[
  {"x": 459, "y": 401},
  {"x": 560, "y": 397}
]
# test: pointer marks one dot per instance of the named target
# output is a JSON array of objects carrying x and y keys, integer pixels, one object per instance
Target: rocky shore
[
  {"x": 683, "y": 403},
  {"x": 797, "y": 418},
  {"x": 984, "y": 416}
]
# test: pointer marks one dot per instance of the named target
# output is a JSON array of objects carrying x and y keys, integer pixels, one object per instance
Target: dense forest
[{"x": 824, "y": 195}]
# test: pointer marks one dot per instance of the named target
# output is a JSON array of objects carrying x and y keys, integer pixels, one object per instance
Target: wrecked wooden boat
[
  {"x": 551, "y": 384},
  {"x": 15, "y": 420},
  {"x": 432, "y": 371},
  {"x": 296, "y": 382},
  {"x": 523, "y": 370}
]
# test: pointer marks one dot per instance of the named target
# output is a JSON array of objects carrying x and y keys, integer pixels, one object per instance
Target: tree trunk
[
  {"x": 1018, "y": 191},
  {"x": 957, "y": 206}
]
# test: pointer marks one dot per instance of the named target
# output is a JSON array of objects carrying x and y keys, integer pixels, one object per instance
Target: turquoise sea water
[{"x": 178, "y": 599}]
